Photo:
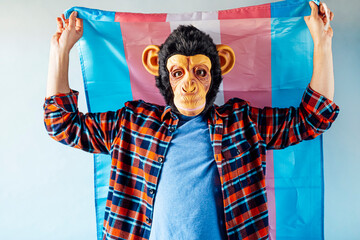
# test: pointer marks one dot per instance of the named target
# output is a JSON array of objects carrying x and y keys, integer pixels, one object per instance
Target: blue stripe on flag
[
  {"x": 103, "y": 63},
  {"x": 91, "y": 14},
  {"x": 298, "y": 170},
  {"x": 290, "y": 8},
  {"x": 103, "y": 59},
  {"x": 102, "y": 165}
]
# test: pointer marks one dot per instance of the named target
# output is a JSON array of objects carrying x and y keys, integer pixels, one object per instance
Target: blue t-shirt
[{"x": 188, "y": 202}]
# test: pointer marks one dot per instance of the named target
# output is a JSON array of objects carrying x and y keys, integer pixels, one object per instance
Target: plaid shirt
[{"x": 137, "y": 137}]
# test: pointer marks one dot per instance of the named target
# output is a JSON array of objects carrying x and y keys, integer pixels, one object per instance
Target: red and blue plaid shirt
[{"x": 137, "y": 137}]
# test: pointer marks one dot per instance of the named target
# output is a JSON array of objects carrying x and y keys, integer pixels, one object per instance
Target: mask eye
[
  {"x": 201, "y": 72},
  {"x": 177, "y": 74}
]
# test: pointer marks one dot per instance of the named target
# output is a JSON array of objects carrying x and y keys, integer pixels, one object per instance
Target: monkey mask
[{"x": 188, "y": 69}]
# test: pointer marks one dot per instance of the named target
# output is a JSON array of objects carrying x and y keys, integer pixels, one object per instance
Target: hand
[
  {"x": 65, "y": 37},
  {"x": 316, "y": 23}
]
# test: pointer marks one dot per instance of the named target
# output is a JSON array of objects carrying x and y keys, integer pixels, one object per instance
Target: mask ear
[
  {"x": 150, "y": 59},
  {"x": 227, "y": 58}
]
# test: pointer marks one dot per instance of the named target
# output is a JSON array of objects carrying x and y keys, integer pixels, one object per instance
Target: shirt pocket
[
  {"x": 240, "y": 166},
  {"x": 233, "y": 158},
  {"x": 235, "y": 150}
]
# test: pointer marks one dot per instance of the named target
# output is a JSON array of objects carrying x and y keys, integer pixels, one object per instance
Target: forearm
[
  {"x": 61, "y": 43},
  {"x": 91, "y": 132},
  {"x": 322, "y": 80},
  {"x": 58, "y": 73},
  {"x": 283, "y": 127}
]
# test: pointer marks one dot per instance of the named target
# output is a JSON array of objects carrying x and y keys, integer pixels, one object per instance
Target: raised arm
[
  {"x": 282, "y": 127},
  {"x": 322, "y": 79},
  {"x": 61, "y": 43},
  {"x": 91, "y": 132}
]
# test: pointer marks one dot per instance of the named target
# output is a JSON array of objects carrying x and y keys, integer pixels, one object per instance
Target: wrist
[
  {"x": 323, "y": 48},
  {"x": 323, "y": 45},
  {"x": 59, "y": 52}
]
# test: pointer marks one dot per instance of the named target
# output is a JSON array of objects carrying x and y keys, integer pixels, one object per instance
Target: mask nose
[{"x": 189, "y": 85}]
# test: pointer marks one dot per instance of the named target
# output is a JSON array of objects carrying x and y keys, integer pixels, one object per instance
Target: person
[{"x": 190, "y": 169}]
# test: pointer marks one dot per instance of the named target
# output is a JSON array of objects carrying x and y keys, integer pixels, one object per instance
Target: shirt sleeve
[
  {"x": 282, "y": 127},
  {"x": 91, "y": 132}
]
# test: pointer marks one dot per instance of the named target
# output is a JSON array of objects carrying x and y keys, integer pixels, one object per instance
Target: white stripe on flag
[{"x": 194, "y": 16}]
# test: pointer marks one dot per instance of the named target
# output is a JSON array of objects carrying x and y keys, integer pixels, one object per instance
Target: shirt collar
[
  {"x": 168, "y": 113},
  {"x": 215, "y": 113}
]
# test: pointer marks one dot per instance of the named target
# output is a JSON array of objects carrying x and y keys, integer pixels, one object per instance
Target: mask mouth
[
  {"x": 184, "y": 93},
  {"x": 192, "y": 109}
]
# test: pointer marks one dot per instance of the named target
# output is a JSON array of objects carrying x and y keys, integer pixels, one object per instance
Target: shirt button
[
  {"x": 148, "y": 220},
  {"x": 238, "y": 151},
  {"x": 160, "y": 159},
  {"x": 172, "y": 129},
  {"x": 152, "y": 191}
]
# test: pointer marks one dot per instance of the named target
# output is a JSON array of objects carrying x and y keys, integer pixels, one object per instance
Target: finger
[
  {"x": 59, "y": 24},
  {"x": 324, "y": 19},
  {"x": 331, "y": 32},
  {"x": 306, "y": 19},
  {"x": 322, "y": 8},
  {"x": 79, "y": 24},
  {"x": 55, "y": 37},
  {"x": 65, "y": 20},
  {"x": 327, "y": 14},
  {"x": 72, "y": 19},
  {"x": 314, "y": 8},
  {"x": 331, "y": 16},
  {"x": 328, "y": 11}
]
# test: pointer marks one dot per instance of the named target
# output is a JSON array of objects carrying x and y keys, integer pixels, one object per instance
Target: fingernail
[{"x": 75, "y": 13}]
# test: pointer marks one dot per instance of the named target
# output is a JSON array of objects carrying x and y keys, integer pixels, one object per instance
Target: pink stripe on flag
[
  {"x": 250, "y": 79},
  {"x": 139, "y": 17},
  {"x": 270, "y": 189},
  {"x": 259, "y": 11},
  {"x": 136, "y": 36}
]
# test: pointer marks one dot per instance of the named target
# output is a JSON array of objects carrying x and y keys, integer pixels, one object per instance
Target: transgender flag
[{"x": 273, "y": 49}]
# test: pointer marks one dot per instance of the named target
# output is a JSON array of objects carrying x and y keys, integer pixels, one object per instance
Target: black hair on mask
[{"x": 188, "y": 41}]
